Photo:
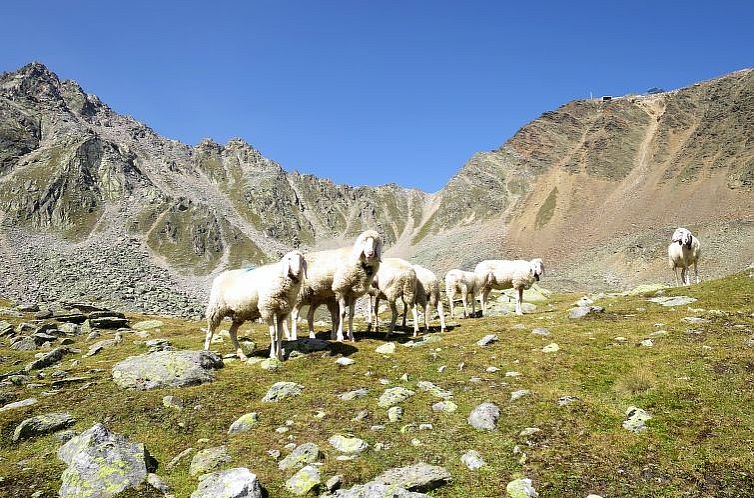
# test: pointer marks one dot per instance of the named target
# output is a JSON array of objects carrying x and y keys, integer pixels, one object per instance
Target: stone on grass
[
  {"x": 519, "y": 394},
  {"x": 394, "y": 413},
  {"x": 521, "y": 488},
  {"x": 158, "y": 483},
  {"x": 473, "y": 460},
  {"x": 567, "y": 400},
  {"x": 582, "y": 311},
  {"x": 540, "y": 331},
  {"x": 147, "y": 325},
  {"x": 444, "y": 406},
  {"x": 302, "y": 455},
  {"x": 636, "y": 419},
  {"x": 18, "y": 404},
  {"x": 334, "y": 482},
  {"x": 231, "y": 483},
  {"x": 166, "y": 369},
  {"x": 529, "y": 431},
  {"x": 377, "y": 490},
  {"x": 102, "y": 464},
  {"x": 647, "y": 343},
  {"x": 387, "y": 348},
  {"x": 484, "y": 417},
  {"x": 24, "y": 343},
  {"x": 208, "y": 459},
  {"x": 282, "y": 390},
  {"x": 673, "y": 301},
  {"x": 487, "y": 340},
  {"x": 172, "y": 402},
  {"x": 42, "y": 424},
  {"x": 434, "y": 390},
  {"x": 551, "y": 348},
  {"x": 348, "y": 445},
  {"x": 271, "y": 364},
  {"x": 304, "y": 481},
  {"x": 48, "y": 359},
  {"x": 244, "y": 423},
  {"x": 417, "y": 477},
  {"x": 344, "y": 361},
  {"x": 351, "y": 395},
  {"x": 394, "y": 395}
]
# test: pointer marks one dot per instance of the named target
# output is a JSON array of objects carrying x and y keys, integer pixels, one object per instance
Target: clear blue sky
[{"x": 369, "y": 92}]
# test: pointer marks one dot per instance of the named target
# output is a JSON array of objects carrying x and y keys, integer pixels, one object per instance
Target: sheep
[
  {"x": 343, "y": 274},
  {"x": 427, "y": 292},
  {"x": 267, "y": 292},
  {"x": 396, "y": 279},
  {"x": 465, "y": 282},
  {"x": 518, "y": 274},
  {"x": 683, "y": 251}
]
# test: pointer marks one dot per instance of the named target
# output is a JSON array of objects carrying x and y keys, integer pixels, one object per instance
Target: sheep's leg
[
  {"x": 675, "y": 271},
  {"x": 369, "y": 312},
  {"x": 485, "y": 297},
  {"x": 696, "y": 272},
  {"x": 519, "y": 299},
  {"x": 441, "y": 312},
  {"x": 464, "y": 295},
  {"x": 294, "y": 322},
  {"x": 416, "y": 320},
  {"x": 273, "y": 339},
  {"x": 377, "y": 313},
  {"x": 310, "y": 320},
  {"x": 351, "y": 313},
  {"x": 233, "y": 331},
  {"x": 426, "y": 316},
  {"x": 286, "y": 330},
  {"x": 279, "y": 352},
  {"x": 212, "y": 324},
  {"x": 473, "y": 304},
  {"x": 451, "y": 295},
  {"x": 393, "y": 317},
  {"x": 332, "y": 307},
  {"x": 405, "y": 312},
  {"x": 341, "y": 318}
]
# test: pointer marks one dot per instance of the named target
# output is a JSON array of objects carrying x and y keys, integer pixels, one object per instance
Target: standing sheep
[
  {"x": 267, "y": 292},
  {"x": 518, "y": 274},
  {"x": 467, "y": 283},
  {"x": 428, "y": 292},
  {"x": 343, "y": 274},
  {"x": 683, "y": 251},
  {"x": 396, "y": 279}
]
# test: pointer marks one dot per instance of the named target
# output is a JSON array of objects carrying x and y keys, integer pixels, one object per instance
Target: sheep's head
[
  {"x": 294, "y": 265},
  {"x": 683, "y": 237},
  {"x": 537, "y": 268},
  {"x": 368, "y": 247}
]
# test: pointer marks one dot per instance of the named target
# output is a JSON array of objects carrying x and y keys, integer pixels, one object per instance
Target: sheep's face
[
  {"x": 294, "y": 265},
  {"x": 537, "y": 268},
  {"x": 683, "y": 237},
  {"x": 368, "y": 247}
]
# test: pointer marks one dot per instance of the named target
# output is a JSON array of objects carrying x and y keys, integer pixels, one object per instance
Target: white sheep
[
  {"x": 428, "y": 292},
  {"x": 343, "y": 274},
  {"x": 467, "y": 283},
  {"x": 267, "y": 292},
  {"x": 506, "y": 274},
  {"x": 683, "y": 251},
  {"x": 396, "y": 279}
]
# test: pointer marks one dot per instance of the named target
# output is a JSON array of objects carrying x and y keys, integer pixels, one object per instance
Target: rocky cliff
[{"x": 95, "y": 205}]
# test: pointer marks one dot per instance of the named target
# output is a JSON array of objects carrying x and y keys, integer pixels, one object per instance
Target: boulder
[
  {"x": 304, "y": 481},
  {"x": 445, "y": 406},
  {"x": 282, "y": 390},
  {"x": 244, "y": 423},
  {"x": 108, "y": 322},
  {"x": 348, "y": 445},
  {"x": 582, "y": 311},
  {"x": 487, "y": 340},
  {"x": 208, "y": 459},
  {"x": 231, "y": 483},
  {"x": 102, "y": 464},
  {"x": 636, "y": 419},
  {"x": 671, "y": 301},
  {"x": 387, "y": 348},
  {"x": 147, "y": 325},
  {"x": 485, "y": 417},
  {"x": 18, "y": 404},
  {"x": 166, "y": 369},
  {"x": 521, "y": 488},
  {"x": 377, "y": 490},
  {"x": 303, "y": 454},
  {"x": 48, "y": 359},
  {"x": 434, "y": 390},
  {"x": 473, "y": 460},
  {"x": 42, "y": 424},
  {"x": 417, "y": 477},
  {"x": 394, "y": 395},
  {"x": 351, "y": 395}
]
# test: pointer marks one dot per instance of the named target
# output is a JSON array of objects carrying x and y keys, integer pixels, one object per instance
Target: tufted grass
[{"x": 698, "y": 388}]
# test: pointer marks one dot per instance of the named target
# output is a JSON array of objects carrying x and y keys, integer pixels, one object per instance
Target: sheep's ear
[
  {"x": 304, "y": 267},
  {"x": 378, "y": 248},
  {"x": 286, "y": 266},
  {"x": 358, "y": 248}
]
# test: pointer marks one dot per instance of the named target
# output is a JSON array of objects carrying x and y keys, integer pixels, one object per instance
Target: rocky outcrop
[{"x": 166, "y": 369}]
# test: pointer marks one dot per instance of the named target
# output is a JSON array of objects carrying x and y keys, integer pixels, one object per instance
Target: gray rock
[
  {"x": 417, "y": 477},
  {"x": 434, "y": 390},
  {"x": 166, "y": 369},
  {"x": 351, "y": 395},
  {"x": 521, "y": 488},
  {"x": 244, "y": 423},
  {"x": 172, "y": 402},
  {"x": 394, "y": 395},
  {"x": 445, "y": 406},
  {"x": 541, "y": 331},
  {"x": 108, "y": 322},
  {"x": 102, "y": 464},
  {"x": 567, "y": 400},
  {"x": 473, "y": 460},
  {"x": 394, "y": 413},
  {"x": 42, "y": 424},
  {"x": 158, "y": 483},
  {"x": 231, "y": 483},
  {"x": 636, "y": 419},
  {"x": 70, "y": 328},
  {"x": 673, "y": 301},
  {"x": 305, "y": 346},
  {"x": 487, "y": 340},
  {"x": 387, "y": 348},
  {"x": 48, "y": 359},
  {"x": 484, "y": 417},
  {"x": 6, "y": 328},
  {"x": 519, "y": 394},
  {"x": 281, "y": 390},
  {"x": 147, "y": 325},
  {"x": 304, "y": 481},
  {"x": 303, "y": 454},
  {"x": 582, "y": 311},
  {"x": 18, "y": 404},
  {"x": 344, "y": 362},
  {"x": 348, "y": 445},
  {"x": 377, "y": 490},
  {"x": 24, "y": 343},
  {"x": 209, "y": 459},
  {"x": 551, "y": 348},
  {"x": 334, "y": 482}
]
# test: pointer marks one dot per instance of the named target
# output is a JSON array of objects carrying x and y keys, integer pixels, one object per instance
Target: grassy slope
[{"x": 697, "y": 387}]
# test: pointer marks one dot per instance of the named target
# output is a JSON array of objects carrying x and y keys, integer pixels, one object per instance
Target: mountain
[{"x": 96, "y": 206}]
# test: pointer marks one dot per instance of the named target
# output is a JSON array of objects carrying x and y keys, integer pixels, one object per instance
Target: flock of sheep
[{"x": 337, "y": 278}]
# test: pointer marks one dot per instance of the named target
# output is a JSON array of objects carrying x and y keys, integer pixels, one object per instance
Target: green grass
[
  {"x": 544, "y": 215},
  {"x": 698, "y": 388}
]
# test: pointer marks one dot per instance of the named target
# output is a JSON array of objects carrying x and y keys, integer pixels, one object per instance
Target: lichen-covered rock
[
  {"x": 304, "y": 481},
  {"x": 42, "y": 424},
  {"x": 348, "y": 445},
  {"x": 231, "y": 483},
  {"x": 551, "y": 348},
  {"x": 48, "y": 359},
  {"x": 636, "y": 419},
  {"x": 282, "y": 390},
  {"x": 208, "y": 459},
  {"x": 485, "y": 416},
  {"x": 444, "y": 406},
  {"x": 473, "y": 460},
  {"x": 417, "y": 477},
  {"x": 434, "y": 390},
  {"x": 166, "y": 369},
  {"x": 394, "y": 395},
  {"x": 102, "y": 464},
  {"x": 303, "y": 454},
  {"x": 521, "y": 488},
  {"x": 351, "y": 395},
  {"x": 244, "y": 423},
  {"x": 377, "y": 490}
]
